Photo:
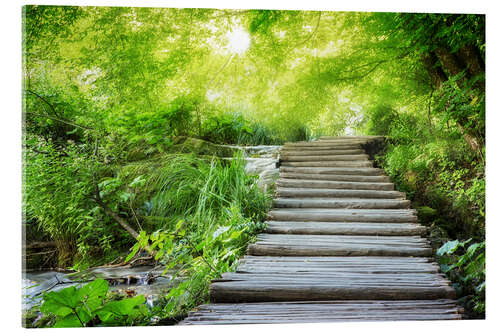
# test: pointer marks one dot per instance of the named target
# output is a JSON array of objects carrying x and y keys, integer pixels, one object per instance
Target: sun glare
[{"x": 239, "y": 40}]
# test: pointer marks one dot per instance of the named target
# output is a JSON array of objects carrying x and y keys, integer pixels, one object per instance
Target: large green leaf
[
  {"x": 68, "y": 321},
  {"x": 61, "y": 302},
  {"x": 448, "y": 247},
  {"x": 122, "y": 307}
]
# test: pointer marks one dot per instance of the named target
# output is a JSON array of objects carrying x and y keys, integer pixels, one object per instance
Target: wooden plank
[
  {"x": 311, "y": 157},
  {"x": 320, "y": 152},
  {"x": 334, "y": 171},
  {"x": 303, "y": 183},
  {"x": 337, "y": 193},
  {"x": 355, "y": 164},
  {"x": 338, "y": 250},
  {"x": 341, "y": 203},
  {"x": 265, "y": 290},
  {"x": 342, "y": 215},
  {"x": 357, "y": 137},
  {"x": 353, "y": 260},
  {"x": 319, "y": 144},
  {"x": 340, "y": 228},
  {"x": 324, "y": 311},
  {"x": 348, "y": 178}
]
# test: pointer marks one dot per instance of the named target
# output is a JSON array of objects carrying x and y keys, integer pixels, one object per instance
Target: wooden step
[
  {"x": 344, "y": 263},
  {"x": 354, "y": 164},
  {"x": 350, "y": 137},
  {"x": 345, "y": 228},
  {"x": 323, "y": 152},
  {"x": 337, "y": 193},
  {"x": 339, "y": 245},
  {"x": 341, "y": 203},
  {"x": 347, "y": 178},
  {"x": 334, "y": 171},
  {"x": 327, "y": 147},
  {"x": 325, "y": 144},
  {"x": 322, "y": 158},
  {"x": 323, "y": 311},
  {"x": 302, "y": 183},
  {"x": 322, "y": 286},
  {"x": 343, "y": 215}
]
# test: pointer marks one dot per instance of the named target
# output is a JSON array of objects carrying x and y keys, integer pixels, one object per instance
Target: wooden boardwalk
[{"x": 341, "y": 245}]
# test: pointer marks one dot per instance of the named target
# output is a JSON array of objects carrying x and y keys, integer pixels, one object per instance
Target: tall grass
[{"x": 207, "y": 211}]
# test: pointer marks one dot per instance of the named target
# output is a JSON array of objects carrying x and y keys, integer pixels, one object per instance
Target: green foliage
[
  {"x": 381, "y": 118},
  {"x": 466, "y": 265},
  {"x": 87, "y": 306},
  {"x": 57, "y": 194},
  {"x": 109, "y": 90},
  {"x": 464, "y": 105},
  {"x": 207, "y": 215}
]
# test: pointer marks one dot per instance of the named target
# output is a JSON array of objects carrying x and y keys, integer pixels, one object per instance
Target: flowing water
[
  {"x": 145, "y": 280},
  {"x": 261, "y": 161}
]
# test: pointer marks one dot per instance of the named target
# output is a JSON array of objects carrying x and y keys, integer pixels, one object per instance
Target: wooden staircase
[{"x": 340, "y": 245}]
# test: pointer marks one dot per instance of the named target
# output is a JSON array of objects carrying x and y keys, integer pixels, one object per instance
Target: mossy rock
[
  {"x": 426, "y": 213},
  {"x": 437, "y": 236},
  {"x": 200, "y": 147}
]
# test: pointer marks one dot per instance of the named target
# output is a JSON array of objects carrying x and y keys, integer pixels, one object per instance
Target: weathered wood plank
[
  {"x": 340, "y": 228},
  {"x": 342, "y": 215},
  {"x": 338, "y": 250},
  {"x": 320, "y": 152},
  {"x": 351, "y": 137},
  {"x": 318, "y": 144},
  {"x": 302, "y": 183},
  {"x": 341, "y": 203},
  {"x": 243, "y": 291},
  {"x": 308, "y": 158},
  {"x": 324, "y": 311},
  {"x": 348, "y": 178},
  {"x": 337, "y": 193},
  {"x": 354, "y": 164},
  {"x": 335, "y": 261},
  {"x": 334, "y": 170}
]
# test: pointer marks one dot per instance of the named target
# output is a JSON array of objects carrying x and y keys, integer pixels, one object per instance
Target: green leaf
[
  {"x": 122, "y": 307},
  {"x": 220, "y": 231},
  {"x": 134, "y": 251},
  {"x": 68, "y": 321},
  {"x": 96, "y": 288},
  {"x": 448, "y": 247},
  {"x": 137, "y": 182},
  {"x": 124, "y": 196},
  {"x": 67, "y": 297}
]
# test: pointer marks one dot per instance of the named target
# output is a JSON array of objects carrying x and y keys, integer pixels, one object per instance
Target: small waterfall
[{"x": 262, "y": 161}]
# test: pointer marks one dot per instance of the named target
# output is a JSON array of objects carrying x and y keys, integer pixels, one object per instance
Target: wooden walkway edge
[{"x": 340, "y": 245}]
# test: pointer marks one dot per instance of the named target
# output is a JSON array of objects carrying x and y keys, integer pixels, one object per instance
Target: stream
[{"x": 146, "y": 280}]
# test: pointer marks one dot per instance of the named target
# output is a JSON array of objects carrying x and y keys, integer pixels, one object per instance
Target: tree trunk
[
  {"x": 450, "y": 63},
  {"x": 435, "y": 71},
  {"x": 470, "y": 57}
]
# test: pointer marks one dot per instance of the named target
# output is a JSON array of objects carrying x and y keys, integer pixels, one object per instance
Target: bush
[
  {"x": 467, "y": 268},
  {"x": 381, "y": 119}
]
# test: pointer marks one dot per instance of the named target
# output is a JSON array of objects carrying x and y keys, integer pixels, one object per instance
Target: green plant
[
  {"x": 87, "y": 306},
  {"x": 466, "y": 265},
  {"x": 207, "y": 213}
]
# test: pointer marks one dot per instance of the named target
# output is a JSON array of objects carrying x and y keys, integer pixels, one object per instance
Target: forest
[{"x": 132, "y": 118}]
